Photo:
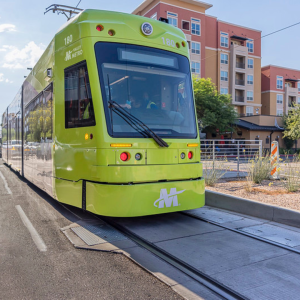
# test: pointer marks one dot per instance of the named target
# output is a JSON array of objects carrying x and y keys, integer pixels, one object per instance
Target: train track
[
  {"x": 206, "y": 280},
  {"x": 242, "y": 232}
]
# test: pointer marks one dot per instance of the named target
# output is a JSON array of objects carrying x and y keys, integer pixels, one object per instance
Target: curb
[{"x": 253, "y": 208}]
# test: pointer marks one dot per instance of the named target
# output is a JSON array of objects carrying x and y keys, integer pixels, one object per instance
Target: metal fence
[{"x": 232, "y": 156}]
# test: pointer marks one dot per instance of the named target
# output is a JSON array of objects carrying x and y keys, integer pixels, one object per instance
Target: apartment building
[
  {"x": 228, "y": 54},
  {"x": 280, "y": 89}
]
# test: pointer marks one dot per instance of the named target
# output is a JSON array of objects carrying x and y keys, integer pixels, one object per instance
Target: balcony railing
[
  {"x": 240, "y": 82},
  {"x": 240, "y": 65},
  {"x": 239, "y": 98}
]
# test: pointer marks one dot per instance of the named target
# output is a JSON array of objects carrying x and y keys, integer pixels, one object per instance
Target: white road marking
[
  {"x": 5, "y": 184},
  {"x": 34, "y": 234}
]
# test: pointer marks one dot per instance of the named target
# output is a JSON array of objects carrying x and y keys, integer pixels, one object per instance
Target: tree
[
  {"x": 214, "y": 110},
  {"x": 292, "y": 123}
]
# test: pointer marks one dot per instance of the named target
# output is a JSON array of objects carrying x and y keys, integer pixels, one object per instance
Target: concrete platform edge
[
  {"x": 253, "y": 208},
  {"x": 178, "y": 288}
]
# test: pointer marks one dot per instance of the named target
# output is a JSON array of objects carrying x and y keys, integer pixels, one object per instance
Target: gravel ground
[{"x": 269, "y": 192}]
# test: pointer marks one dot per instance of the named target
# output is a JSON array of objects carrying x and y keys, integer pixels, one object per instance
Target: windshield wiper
[{"x": 136, "y": 123}]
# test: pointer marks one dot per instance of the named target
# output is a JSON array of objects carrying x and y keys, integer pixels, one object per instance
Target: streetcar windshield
[{"x": 152, "y": 85}]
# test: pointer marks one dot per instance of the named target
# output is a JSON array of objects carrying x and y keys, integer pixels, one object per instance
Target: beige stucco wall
[
  {"x": 211, "y": 66},
  {"x": 263, "y": 120},
  {"x": 265, "y": 101},
  {"x": 257, "y": 80},
  {"x": 269, "y": 102}
]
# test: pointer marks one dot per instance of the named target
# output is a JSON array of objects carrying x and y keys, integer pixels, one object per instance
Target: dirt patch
[{"x": 269, "y": 192}]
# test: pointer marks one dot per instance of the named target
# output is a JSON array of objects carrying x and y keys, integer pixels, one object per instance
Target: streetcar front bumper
[{"x": 130, "y": 200}]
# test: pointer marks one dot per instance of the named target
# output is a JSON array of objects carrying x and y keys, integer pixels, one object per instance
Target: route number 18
[{"x": 168, "y": 42}]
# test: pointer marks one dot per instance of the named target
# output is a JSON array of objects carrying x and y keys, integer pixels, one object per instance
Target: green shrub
[
  {"x": 259, "y": 169},
  {"x": 214, "y": 171}
]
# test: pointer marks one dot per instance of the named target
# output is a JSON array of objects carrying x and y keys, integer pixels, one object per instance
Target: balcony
[
  {"x": 239, "y": 82},
  {"x": 240, "y": 65},
  {"x": 239, "y": 99},
  {"x": 291, "y": 101},
  {"x": 290, "y": 91}
]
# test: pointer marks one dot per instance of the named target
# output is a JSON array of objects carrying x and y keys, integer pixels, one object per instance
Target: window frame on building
[
  {"x": 154, "y": 16},
  {"x": 224, "y": 61},
  {"x": 195, "y": 68},
  {"x": 195, "y": 22},
  {"x": 186, "y": 22},
  {"x": 249, "y": 113},
  {"x": 279, "y": 101},
  {"x": 279, "y": 110},
  {"x": 222, "y": 91},
  {"x": 195, "y": 43},
  {"x": 250, "y": 82},
  {"x": 250, "y": 98},
  {"x": 279, "y": 78},
  {"x": 298, "y": 100},
  {"x": 224, "y": 78},
  {"x": 250, "y": 66},
  {"x": 225, "y": 36},
  {"x": 250, "y": 45},
  {"x": 174, "y": 17},
  {"x": 298, "y": 85}
]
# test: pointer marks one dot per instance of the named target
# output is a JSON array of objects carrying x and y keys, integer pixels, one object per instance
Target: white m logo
[
  {"x": 166, "y": 199},
  {"x": 68, "y": 55}
]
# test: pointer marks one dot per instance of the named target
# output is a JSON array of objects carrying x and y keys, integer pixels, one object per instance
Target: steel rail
[
  {"x": 256, "y": 237},
  {"x": 206, "y": 280}
]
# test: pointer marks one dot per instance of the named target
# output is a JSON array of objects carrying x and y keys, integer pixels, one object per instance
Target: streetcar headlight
[
  {"x": 182, "y": 155},
  {"x": 138, "y": 156}
]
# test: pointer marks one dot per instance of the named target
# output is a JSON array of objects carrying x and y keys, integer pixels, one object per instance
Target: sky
[{"x": 25, "y": 32}]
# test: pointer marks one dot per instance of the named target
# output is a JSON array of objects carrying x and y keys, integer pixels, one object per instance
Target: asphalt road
[{"x": 44, "y": 265}]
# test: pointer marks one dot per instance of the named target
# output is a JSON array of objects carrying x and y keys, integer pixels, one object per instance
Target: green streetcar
[{"x": 106, "y": 119}]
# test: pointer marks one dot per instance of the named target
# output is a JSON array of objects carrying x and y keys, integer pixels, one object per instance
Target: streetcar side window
[{"x": 79, "y": 111}]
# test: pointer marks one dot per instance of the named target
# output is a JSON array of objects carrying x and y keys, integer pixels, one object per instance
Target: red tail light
[
  {"x": 124, "y": 156},
  {"x": 190, "y": 155}
]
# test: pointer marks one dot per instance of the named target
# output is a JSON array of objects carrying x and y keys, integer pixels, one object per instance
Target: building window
[
  {"x": 250, "y": 46},
  {"x": 267, "y": 140},
  {"x": 186, "y": 25},
  {"x": 250, "y": 95},
  {"x": 279, "y": 112},
  {"x": 298, "y": 86},
  {"x": 224, "y": 58},
  {"x": 195, "y": 48},
  {"x": 224, "y": 76},
  {"x": 249, "y": 79},
  {"x": 154, "y": 16},
  {"x": 224, "y": 91},
  {"x": 195, "y": 67},
  {"x": 249, "y": 110},
  {"x": 250, "y": 63},
  {"x": 298, "y": 100},
  {"x": 224, "y": 39},
  {"x": 196, "y": 26},
  {"x": 79, "y": 110},
  {"x": 279, "y": 82},
  {"x": 279, "y": 98},
  {"x": 172, "y": 19}
]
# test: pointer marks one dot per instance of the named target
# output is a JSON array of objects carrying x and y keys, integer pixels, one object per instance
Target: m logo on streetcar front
[{"x": 167, "y": 200}]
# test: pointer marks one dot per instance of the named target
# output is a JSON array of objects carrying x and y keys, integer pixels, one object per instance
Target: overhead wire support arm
[{"x": 64, "y": 9}]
